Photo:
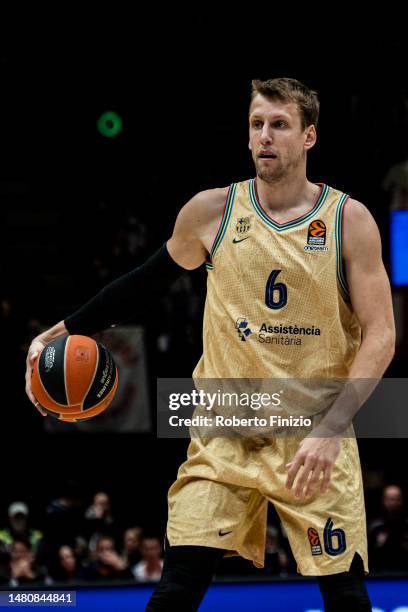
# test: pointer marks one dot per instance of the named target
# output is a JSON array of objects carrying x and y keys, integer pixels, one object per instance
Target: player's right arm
[
  {"x": 196, "y": 227},
  {"x": 194, "y": 232}
]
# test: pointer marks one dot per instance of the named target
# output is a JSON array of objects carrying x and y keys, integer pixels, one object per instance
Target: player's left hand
[{"x": 314, "y": 457}]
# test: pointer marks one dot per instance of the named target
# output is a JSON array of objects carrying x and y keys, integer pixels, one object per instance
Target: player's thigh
[{"x": 206, "y": 512}]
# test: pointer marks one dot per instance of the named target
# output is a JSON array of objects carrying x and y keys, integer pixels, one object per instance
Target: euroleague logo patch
[
  {"x": 314, "y": 541},
  {"x": 316, "y": 236}
]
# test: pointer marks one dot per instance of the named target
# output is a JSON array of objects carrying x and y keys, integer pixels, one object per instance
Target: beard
[
  {"x": 279, "y": 171},
  {"x": 271, "y": 175}
]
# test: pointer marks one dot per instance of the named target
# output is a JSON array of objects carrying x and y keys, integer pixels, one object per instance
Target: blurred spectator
[
  {"x": 81, "y": 550},
  {"x": 66, "y": 568},
  {"x": 18, "y": 528},
  {"x": 396, "y": 183},
  {"x": 98, "y": 515},
  {"x": 388, "y": 534},
  {"x": 107, "y": 564},
  {"x": 126, "y": 243},
  {"x": 132, "y": 540},
  {"x": 149, "y": 569},
  {"x": 64, "y": 520},
  {"x": 276, "y": 559},
  {"x": 21, "y": 568}
]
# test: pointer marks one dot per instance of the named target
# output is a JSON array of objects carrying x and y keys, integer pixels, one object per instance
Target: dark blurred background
[{"x": 78, "y": 209}]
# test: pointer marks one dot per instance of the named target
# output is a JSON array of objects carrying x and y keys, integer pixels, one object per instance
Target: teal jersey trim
[
  {"x": 280, "y": 227},
  {"x": 341, "y": 276},
  {"x": 223, "y": 226}
]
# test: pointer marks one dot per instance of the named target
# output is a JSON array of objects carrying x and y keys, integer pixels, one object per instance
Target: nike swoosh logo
[
  {"x": 235, "y": 240},
  {"x": 223, "y": 533}
]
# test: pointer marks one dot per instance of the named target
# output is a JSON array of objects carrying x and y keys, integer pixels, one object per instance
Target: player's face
[{"x": 277, "y": 139}]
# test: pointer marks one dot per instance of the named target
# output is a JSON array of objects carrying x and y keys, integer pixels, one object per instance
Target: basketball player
[{"x": 286, "y": 257}]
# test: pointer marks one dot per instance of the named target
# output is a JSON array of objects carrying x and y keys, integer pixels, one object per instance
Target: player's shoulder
[
  {"x": 356, "y": 209},
  {"x": 211, "y": 199},
  {"x": 206, "y": 205},
  {"x": 357, "y": 214},
  {"x": 360, "y": 231}
]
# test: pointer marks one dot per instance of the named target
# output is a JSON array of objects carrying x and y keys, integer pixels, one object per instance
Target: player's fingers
[
  {"x": 30, "y": 395},
  {"x": 301, "y": 481},
  {"x": 39, "y": 408},
  {"x": 293, "y": 468},
  {"x": 29, "y": 370},
  {"x": 326, "y": 479},
  {"x": 28, "y": 386},
  {"x": 44, "y": 414},
  {"x": 313, "y": 482},
  {"x": 33, "y": 356}
]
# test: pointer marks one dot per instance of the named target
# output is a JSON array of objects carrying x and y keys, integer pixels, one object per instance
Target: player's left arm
[
  {"x": 370, "y": 292},
  {"x": 370, "y": 296}
]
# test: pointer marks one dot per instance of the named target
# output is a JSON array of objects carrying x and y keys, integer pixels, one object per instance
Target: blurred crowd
[
  {"x": 75, "y": 544},
  {"x": 87, "y": 544}
]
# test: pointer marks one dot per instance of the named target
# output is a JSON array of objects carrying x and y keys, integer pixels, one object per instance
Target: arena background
[{"x": 79, "y": 209}]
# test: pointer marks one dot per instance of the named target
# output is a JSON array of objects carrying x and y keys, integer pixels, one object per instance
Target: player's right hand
[{"x": 35, "y": 349}]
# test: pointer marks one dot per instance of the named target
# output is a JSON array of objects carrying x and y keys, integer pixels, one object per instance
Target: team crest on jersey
[
  {"x": 314, "y": 540},
  {"x": 316, "y": 236},
  {"x": 241, "y": 325},
  {"x": 243, "y": 226}
]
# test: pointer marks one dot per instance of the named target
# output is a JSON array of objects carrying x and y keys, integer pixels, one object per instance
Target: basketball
[{"x": 74, "y": 378}]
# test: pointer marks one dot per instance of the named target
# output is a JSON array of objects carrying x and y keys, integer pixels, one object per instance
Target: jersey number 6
[{"x": 277, "y": 290}]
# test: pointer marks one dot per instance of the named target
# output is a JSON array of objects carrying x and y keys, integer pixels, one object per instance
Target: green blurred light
[{"x": 109, "y": 124}]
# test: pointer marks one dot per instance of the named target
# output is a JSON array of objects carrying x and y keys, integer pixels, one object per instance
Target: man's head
[
  {"x": 151, "y": 549},
  {"x": 102, "y": 501},
  {"x": 392, "y": 499},
  {"x": 18, "y": 516},
  {"x": 283, "y": 117},
  {"x": 104, "y": 545},
  {"x": 132, "y": 539}
]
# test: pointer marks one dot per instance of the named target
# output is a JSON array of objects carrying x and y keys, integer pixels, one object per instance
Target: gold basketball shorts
[{"x": 221, "y": 495}]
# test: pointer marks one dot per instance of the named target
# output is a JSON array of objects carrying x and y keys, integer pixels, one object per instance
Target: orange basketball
[{"x": 74, "y": 378}]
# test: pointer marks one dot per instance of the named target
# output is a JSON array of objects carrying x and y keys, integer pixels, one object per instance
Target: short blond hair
[{"x": 290, "y": 90}]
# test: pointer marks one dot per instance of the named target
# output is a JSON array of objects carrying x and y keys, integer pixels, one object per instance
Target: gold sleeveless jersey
[{"x": 277, "y": 299}]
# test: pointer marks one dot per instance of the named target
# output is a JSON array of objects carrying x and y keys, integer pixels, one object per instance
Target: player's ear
[
  {"x": 311, "y": 137},
  {"x": 249, "y": 146}
]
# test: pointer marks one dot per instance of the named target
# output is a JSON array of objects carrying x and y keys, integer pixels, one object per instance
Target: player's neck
[{"x": 291, "y": 192}]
